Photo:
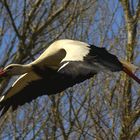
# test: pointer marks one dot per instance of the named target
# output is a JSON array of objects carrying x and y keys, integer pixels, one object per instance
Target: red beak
[
  {"x": 2, "y": 73},
  {"x": 128, "y": 68}
]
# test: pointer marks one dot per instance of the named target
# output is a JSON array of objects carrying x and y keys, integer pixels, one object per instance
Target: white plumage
[
  {"x": 63, "y": 64},
  {"x": 74, "y": 51}
]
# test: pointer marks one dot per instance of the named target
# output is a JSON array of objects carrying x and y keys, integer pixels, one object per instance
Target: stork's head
[{"x": 14, "y": 69}]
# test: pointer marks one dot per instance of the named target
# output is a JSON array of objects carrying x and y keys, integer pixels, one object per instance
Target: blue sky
[{"x": 113, "y": 32}]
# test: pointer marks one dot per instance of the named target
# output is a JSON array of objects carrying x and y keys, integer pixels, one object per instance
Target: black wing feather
[
  {"x": 52, "y": 82},
  {"x": 103, "y": 57}
]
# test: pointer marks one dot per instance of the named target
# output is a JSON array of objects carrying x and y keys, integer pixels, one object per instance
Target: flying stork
[{"x": 63, "y": 64}]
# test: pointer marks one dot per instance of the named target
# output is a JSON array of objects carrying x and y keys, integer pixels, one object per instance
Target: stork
[{"x": 63, "y": 64}]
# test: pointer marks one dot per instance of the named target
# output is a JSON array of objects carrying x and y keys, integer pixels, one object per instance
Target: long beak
[
  {"x": 129, "y": 68},
  {"x": 2, "y": 73}
]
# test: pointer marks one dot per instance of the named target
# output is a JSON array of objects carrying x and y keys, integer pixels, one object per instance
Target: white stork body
[
  {"x": 63, "y": 50},
  {"x": 57, "y": 53},
  {"x": 63, "y": 64}
]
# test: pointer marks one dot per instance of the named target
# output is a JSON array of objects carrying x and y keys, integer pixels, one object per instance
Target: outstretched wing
[
  {"x": 15, "y": 95},
  {"x": 32, "y": 85}
]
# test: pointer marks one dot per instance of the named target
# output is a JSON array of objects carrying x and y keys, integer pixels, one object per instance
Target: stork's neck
[
  {"x": 25, "y": 68},
  {"x": 17, "y": 69}
]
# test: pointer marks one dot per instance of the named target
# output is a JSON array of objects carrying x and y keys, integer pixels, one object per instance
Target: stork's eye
[{"x": 9, "y": 68}]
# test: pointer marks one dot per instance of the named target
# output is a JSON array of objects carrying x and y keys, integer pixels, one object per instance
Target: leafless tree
[{"x": 106, "y": 107}]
